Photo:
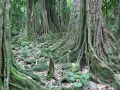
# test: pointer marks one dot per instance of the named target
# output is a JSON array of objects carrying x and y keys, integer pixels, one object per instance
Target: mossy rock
[
  {"x": 41, "y": 60},
  {"x": 74, "y": 68},
  {"x": 26, "y": 47},
  {"x": 90, "y": 84},
  {"x": 38, "y": 54},
  {"x": 40, "y": 68},
  {"x": 23, "y": 44},
  {"x": 16, "y": 48},
  {"x": 30, "y": 60},
  {"x": 66, "y": 65},
  {"x": 31, "y": 45}
]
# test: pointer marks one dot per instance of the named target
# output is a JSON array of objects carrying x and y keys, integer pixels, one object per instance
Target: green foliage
[
  {"x": 18, "y": 13},
  {"x": 72, "y": 78},
  {"x": 71, "y": 73},
  {"x": 25, "y": 52},
  {"x": 78, "y": 80},
  {"x": 78, "y": 84}
]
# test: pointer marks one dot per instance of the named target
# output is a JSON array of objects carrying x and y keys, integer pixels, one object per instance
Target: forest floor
[{"x": 35, "y": 57}]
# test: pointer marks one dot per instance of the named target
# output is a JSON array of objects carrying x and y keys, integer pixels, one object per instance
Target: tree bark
[
  {"x": 1, "y": 44},
  {"x": 96, "y": 45},
  {"x": 44, "y": 28},
  {"x": 7, "y": 52},
  {"x": 117, "y": 33},
  {"x": 30, "y": 20},
  {"x": 52, "y": 17}
]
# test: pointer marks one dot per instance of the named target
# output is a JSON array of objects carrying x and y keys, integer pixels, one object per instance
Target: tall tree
[
  {"x": 117, "y": 33},
  {"x": 30, "y": 20},
  {"x": 5, "y": 38},
  {"x": 96, "y": 46},
  {"x": 52, "y": 17},
  {"x": 44, "y": 28},
  {"x": 1, "y": 44}
]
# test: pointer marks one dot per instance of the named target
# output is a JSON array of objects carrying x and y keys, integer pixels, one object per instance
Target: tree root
[
  {"x": 104, "y": 73},
  {"x": 21, "y": 81}
]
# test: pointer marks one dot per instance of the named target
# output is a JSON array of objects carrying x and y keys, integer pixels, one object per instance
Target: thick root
[
  {"x": 104, "y": 73},
  {"x": 23, "y": 81}
]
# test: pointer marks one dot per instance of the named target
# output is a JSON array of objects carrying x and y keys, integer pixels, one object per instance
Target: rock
[
  {"x": 67, "y": 65},
  {"x": 32, "y": 45},
  {"x": 23, "y": 44},
  {"x": 41, "y": 44},
  {"x": 16, "y": 48},
  {"x": 40, "y": 68},
  {"x": 38, "y": 54},
  {"x": 41, "y": 60},
  {"x": 30, "y": 60},
  {"x": 25, "y": 52},
  {"x": 27, "y": 66},
  {"x": 90, "y": 85},
  {"x": 26, "y": 47}
]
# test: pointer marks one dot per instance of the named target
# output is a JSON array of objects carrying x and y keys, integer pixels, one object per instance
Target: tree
[
  {"x": 11, "y": 75},
  {"x": 117, "y": 33},
  {"x": 52, "y": 17},
  {"x": 5, "y": 38},
  {"x": 1, "y": 44},
  {"x": 90, "y": 41},
  {"x": 44, "y": 28},
  {"x": 96, "y": 46},
  {"x": 30, "y": 20}
]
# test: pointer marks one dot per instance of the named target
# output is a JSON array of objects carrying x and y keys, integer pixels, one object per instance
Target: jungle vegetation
[{"x": 59, "y": 44}]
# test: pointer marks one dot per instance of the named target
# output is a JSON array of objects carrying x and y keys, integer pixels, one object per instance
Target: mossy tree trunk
[
  {"x": 11, "y": 75},
  {"x": 30, "y": 20},
  {"x": 65, "y": 12},
  {"x": 52, "y": 17},
  {"x": 1, "y": 44},
  {"x": 5, "y": 38},
  {"x": 44, "y": 28},
  {"x": 63, "y": 16},
  {"x": 117, "y": 33},
  {"x": 95, "y": 46}
]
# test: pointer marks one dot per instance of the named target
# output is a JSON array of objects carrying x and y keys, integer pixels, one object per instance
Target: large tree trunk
[
  {"x": 63, "y": 16},
  {"x": 117, "y": 33},
  {"x": 1, "y": 44},
  {"x": 65, "y": 12},
  {"x": 11, "y": 75},
  {"x": 5, "y": 48},
  {"x": 44, "y": 28},
  {"x": 96, "y": 45},
  {"x": 52, "y": 17},
  {"x": 30, "y": 20}
]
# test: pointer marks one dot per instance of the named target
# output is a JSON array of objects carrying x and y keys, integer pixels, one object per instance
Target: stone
[{"x": 66, "y": 65}]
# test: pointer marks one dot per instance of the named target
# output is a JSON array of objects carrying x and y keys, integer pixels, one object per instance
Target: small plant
[
  {"x": 78, "y": 80},
  {"x": 25, "y": 52}
]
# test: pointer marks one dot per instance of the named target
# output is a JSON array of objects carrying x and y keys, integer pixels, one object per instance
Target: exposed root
[
  {"x": 23, "y": 82},
  {"x": 104, "y": 73}
]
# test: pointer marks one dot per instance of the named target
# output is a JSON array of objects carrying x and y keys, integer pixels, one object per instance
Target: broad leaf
[
  {"x": 85, "y": 76},
  {"x": 71, "y": 73},
  {"x": 72, "y": 79},
  {"x": 77, "y": 84},
  {"x": 76, "y": 76}
]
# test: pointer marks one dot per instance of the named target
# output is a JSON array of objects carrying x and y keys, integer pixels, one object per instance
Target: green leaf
[
  {"x": 72, "y": 79},
  {"x": 76, "y": 76},
  {"x": 82, "y": 80},
  {"x": 71, "y": 73},
  {"x": 80, "y": 77},
  {"x": 77, "y": 84},
  {"x": 85, "y": 76}
]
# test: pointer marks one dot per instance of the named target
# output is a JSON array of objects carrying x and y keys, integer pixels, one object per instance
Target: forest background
[{"x": 59, "y": 44}]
